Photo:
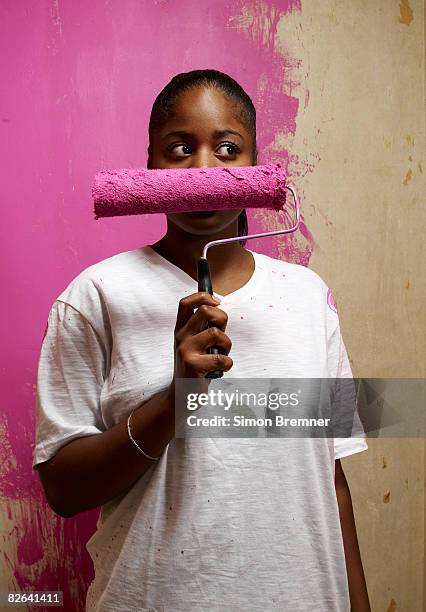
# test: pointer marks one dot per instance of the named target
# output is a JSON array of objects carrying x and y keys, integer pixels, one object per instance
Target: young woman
[{"x": 196, "y": 524}]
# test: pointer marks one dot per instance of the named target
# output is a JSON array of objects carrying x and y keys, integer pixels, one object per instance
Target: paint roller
[{"x": 174, "y": 190}]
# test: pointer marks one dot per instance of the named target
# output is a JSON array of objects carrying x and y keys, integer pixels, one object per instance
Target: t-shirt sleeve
[
  {"x": 71, "y": 373},
  {"x": 345, "y": 413},
  {"x": 350, "y": 436}
]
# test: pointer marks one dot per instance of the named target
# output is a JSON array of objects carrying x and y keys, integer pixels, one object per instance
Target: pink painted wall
[{"x": 78, "y": 83}]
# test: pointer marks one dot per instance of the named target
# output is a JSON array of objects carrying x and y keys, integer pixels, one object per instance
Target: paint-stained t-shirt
[{"x": 217, "y": 524}]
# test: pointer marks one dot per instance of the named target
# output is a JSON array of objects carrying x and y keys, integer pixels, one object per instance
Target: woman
[{"x": 190, "y": 524}]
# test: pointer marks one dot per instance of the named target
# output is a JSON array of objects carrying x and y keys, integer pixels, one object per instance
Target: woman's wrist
[{"x": 152, "y": 424}]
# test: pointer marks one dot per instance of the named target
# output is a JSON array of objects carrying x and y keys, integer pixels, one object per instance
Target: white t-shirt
[{"x": 217, "y": 524}]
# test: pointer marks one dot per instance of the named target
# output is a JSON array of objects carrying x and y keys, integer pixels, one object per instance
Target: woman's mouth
[{"x": 202, "y": 213}]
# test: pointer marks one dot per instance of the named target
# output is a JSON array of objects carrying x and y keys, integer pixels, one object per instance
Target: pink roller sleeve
[{"x": 142, "y": 191}]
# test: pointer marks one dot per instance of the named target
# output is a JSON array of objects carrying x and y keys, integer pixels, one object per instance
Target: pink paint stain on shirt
[{"x": 331, "y": 301}]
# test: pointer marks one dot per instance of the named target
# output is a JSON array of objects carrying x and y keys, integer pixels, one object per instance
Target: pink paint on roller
[{"x": 167, "y": 190}]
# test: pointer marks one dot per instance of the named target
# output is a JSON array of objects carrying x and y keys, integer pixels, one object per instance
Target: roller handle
[{"x": 205, "y": 284}]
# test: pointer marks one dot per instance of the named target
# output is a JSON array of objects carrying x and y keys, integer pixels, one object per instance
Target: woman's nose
[{"x": 204, "y": 159}]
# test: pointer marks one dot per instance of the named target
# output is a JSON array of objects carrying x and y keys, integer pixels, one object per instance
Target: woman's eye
[
  {"x": 175, "y": 148},
  {"x": 231, "y": 149}
]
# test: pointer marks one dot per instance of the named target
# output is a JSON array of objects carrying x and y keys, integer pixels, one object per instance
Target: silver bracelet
[{"x": 134, "y": 441}]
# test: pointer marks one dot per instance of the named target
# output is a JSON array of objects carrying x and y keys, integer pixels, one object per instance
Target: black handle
[{"x": 205, "y": 284}]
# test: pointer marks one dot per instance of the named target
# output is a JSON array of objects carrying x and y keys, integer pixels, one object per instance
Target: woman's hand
[{"x": 193, "y": 337}]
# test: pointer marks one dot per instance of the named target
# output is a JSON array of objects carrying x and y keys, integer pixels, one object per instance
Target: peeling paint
[
  {"x": 405, "y": 12},
  {"x": 43, "y": 552},
  {"x": 392, "y": 606},
  {"x": 259, "y": 23},
  {"x": 408, "y": 177}
]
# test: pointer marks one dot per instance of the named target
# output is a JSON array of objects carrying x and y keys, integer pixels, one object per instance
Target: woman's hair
[{"x": 164, "y": 105}]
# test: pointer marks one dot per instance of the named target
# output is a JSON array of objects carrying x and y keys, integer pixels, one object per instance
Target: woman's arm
[
  {"x": 356, "y": 579},
  {"x": 91, "y": 470}
]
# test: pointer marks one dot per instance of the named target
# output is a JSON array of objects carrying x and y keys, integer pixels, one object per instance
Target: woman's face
[{"x": 205, "y": 131}]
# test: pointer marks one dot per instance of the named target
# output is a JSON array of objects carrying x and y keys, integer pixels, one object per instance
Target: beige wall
[{"x": 364, "y": 69}]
